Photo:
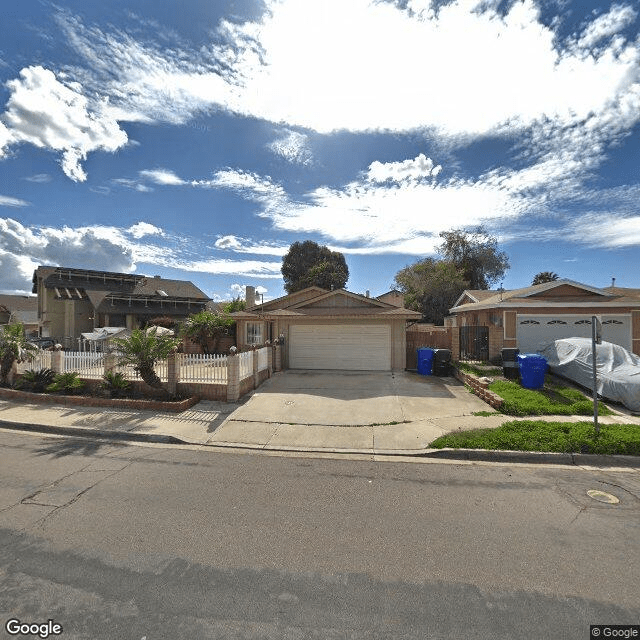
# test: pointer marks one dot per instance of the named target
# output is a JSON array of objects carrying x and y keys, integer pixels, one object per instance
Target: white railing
[
  {"x": 198, "y": 367},
  {"x": 41, "y": 360},
  {"x": 86, "y": 364},
  {"x": 246, "y": 364},
  {"x": 263, "y": 359}
]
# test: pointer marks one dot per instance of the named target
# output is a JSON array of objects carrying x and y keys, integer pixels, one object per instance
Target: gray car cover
[{"x": 618, "y": 370}]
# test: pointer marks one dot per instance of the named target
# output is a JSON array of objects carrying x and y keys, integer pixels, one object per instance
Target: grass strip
[
  {"x": 538, "y": 435},
  {"x": 552, "y": 399}
]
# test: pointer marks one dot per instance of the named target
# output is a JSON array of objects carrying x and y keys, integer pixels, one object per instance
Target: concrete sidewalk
[{"x": 211, "y": 424}]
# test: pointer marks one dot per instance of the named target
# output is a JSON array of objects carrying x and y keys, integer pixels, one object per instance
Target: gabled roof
[
  {"x": 316, "y": 302},
  {"x": 288, "y": 300},
  {"x": 356, "y": 297},
  {"x": 542, "y": 294}
]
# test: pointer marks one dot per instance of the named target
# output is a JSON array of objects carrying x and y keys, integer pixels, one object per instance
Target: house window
[{"x": 254, "y": 333}]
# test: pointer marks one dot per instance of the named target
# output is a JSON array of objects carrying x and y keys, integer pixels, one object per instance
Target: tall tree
[
  {"x": 545, "y": 276},
  {"x": 308, "y": 264},
  {"x": 431, "y": 287},
  {"x": 476, "y": 253}
]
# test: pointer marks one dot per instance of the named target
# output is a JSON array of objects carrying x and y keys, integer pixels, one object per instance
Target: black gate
[{"x": 474, "y": 343}]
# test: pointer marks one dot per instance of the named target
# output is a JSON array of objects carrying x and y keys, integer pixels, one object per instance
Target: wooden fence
[{"x": 426, "y": 336}]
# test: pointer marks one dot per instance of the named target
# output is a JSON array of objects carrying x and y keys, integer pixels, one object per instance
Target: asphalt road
[{"x": 132, "y": 542}]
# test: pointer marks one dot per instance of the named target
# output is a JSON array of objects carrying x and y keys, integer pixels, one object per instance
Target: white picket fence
[
  {"x": 263, "y": 359},
  {"x": 85, "y": 363},
  {"x": 41, "y": 360},
  {"x": 245, "y": 364},
  {"x": 129, "y": 372},
  {"x": 199, "y": 367}
]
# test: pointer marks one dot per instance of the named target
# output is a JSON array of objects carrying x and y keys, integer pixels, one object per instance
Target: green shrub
[
  {"x": 68, "y": 383},
  {"x": 115, "y": 383},
  {"x": 36, "y": 381}
]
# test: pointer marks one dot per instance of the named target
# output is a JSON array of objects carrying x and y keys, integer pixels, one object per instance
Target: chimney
[{"x": 250, "y": 296}]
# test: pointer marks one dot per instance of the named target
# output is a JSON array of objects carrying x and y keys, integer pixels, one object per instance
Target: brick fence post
[
  {"x": 277, "y": 359},
  {"x": 110, "y": 361},
  {"x": 56, "y": 361},
  {"x": 270, "y": 359},
  {"x": 233, "y": 378},
  {"x": 173, "y": 372},
  {"x": 254, "y": 360},
  {"x": 455, "y": 343}
]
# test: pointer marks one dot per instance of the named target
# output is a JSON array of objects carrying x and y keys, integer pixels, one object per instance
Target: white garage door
[
  {"x": 534, "y": 332},
  {"x": 340, "y": 346}
]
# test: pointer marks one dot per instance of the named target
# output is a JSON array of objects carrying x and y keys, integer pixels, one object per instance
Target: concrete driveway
[{"x": 339, "y": 398}]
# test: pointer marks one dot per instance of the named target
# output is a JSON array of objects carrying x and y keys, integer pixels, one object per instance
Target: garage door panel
[
  {"x": 346, "y": 347},
  {"x": 534, "y": 332}
]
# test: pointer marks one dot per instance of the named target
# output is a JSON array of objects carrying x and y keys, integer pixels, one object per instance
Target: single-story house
[
  {"x": 323, "y": 329},
  {"x": 531, "y": 317},
  {"x": 76, "y": 301},
  {"x": 23, "y": 309},
  {"x": 393, "y": 297}
]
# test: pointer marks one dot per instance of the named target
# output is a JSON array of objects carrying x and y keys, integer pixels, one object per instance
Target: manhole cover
[{"x": 601, "y": 496}]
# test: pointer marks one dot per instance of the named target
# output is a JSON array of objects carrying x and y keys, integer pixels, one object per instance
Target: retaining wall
[{"x": 479, "y": 388}]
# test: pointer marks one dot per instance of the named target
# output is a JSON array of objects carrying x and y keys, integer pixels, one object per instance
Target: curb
[
  {"x": 467, "y": 455},
  {"x": 535, "y": 457},
  {"x": 84, "y": 432}
]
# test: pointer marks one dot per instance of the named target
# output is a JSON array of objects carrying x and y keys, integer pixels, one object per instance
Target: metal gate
[{"x": 474, "y": 343}]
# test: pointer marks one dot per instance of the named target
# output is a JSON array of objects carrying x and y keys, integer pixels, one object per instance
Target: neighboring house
[
  {"x": 531, "y": 317},
  {"x": 76, "y": 301},
  {"x": 393, "y": 297},
  {"x": 328, "y": 329},
  {"x": 23, "y": 309}
]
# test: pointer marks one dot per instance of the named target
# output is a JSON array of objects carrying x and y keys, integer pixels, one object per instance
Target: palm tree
[
  {"x": 545, "y": 276},
  {"x": 143, "y": 349},
  {"x": 13, "y": 348}
]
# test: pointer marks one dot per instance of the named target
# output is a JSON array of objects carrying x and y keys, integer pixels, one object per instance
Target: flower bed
[{"x": 93, "y": 401}]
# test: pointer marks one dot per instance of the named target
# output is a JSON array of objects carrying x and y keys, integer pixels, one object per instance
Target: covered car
[{"x": 618, "y": 370}]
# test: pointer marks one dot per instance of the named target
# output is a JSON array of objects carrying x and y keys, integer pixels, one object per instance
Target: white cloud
[
  {"x": 141, "y": 229},
  {"x": 608, "y": 24},
  {"x": 467, "y": 68},
  {"x": 461, "y": 69},
  {"x": 39, "y": 178},
  {"x": 51, "y": 115},
  {"x": 162, "y": 177},
  {"x": 293, "y": 147},
  {"x": 243, "y": 245},
  {"x": 608, "y": 231},
  {"x": 418, "y": 168},
  {"x": 107, "y": 248},
  {"x": 402, "y": 215},
  {"x": 8, "y": 201}
]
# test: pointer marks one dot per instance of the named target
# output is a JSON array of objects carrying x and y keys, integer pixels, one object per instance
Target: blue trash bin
[
  {"x": 532, "y": 369},
  {"x": 425, "y": 361}
]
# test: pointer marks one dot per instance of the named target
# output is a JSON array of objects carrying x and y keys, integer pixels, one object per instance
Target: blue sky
[{"x": 198, "y": 140}]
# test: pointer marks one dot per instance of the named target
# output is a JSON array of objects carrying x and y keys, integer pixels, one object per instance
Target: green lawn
[
  {"x": 552, "y": 399},
  {"x": 536, "y": 435}
]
